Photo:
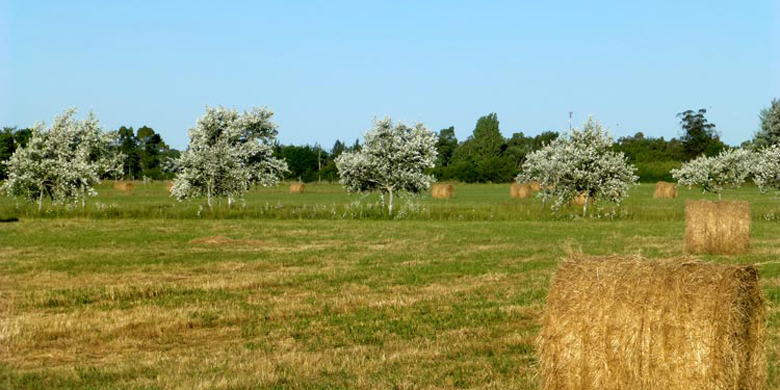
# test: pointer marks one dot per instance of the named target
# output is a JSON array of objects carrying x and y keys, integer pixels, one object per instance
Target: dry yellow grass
[
  {"x": 721, "y": 227},
  {"x": 630, "y": 323}
]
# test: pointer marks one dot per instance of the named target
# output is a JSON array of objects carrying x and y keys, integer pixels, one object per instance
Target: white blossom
[
  {"x": 228, "y": 153},
  {"x": 766, "y": 168},
  {"x": 64, "y": 162},
  {"x": 393, "y": 158},
  {"x": 581, "y": 162},
  {"x": 730, "y": 169}
]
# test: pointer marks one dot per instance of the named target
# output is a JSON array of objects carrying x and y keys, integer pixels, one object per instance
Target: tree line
[{"x": 484, "y": 156}]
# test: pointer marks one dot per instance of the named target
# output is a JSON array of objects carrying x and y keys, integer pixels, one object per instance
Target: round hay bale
[
  {"x": 535, "y": 186},
  {"x": 124, "y": 186},
  {"x": 443, "y": 191},
  {"x": 169, "y": 186},
  {"x": 665, "y": 190},
  {"x": 632, "y": 323},
  {"x": 297, "y": 188},
  {"x": 521, "y": 190},
  {"x": 721, "y": 227},
  {"x": 579, "y": 200}
]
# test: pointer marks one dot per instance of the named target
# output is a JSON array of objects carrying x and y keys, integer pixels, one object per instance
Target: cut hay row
[
  {"x": 124, "y": 186},
  {"x": 665, "y": 190},
  {"x": 721, "y": 227},
  {"x": 297, "y": 188},
  {"x": 443, "y": 191},
  {"x": 631, "y": 323}
]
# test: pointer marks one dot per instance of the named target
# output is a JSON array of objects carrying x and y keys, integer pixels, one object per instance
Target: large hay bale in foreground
[
  {"x": 297, "y": 188},
  {"x": 631, "y": 323},
  {"x": 124, "y": 186},
  {"x": 665, "y": 190},
  {"x": 721, "y": 227},
  {"x": 521, "y": 190},
  {"x": 443, "y": 191}
]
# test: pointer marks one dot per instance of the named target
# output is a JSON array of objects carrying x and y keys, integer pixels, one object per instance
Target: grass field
[{"x": 319, "y": 290}]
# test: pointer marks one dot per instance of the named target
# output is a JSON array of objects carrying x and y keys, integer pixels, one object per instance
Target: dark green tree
[
  {"x": 128, "y": 145},
  {"x": 446, "y": 145},
  {"x": 699, "y": 136},
  {"x": 337, "y": 149}
]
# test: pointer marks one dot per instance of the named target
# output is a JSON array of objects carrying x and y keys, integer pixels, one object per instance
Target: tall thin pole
[{"x": 570, "y": 112}]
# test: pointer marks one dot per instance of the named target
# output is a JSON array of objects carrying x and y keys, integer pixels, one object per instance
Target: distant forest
[{"x": 485, "y": 156}]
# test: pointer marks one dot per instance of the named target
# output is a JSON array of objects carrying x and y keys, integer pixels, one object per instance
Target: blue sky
[{"x": 326, "y": 68}]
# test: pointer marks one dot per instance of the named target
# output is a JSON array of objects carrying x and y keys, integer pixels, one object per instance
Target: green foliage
[
  {"x": 446, "y": 146},
  {"x": 145, "y": 153},
  {"x": 304, "y": 162},
  {"x": 654, "y": 171},
  {"x": 700, "y": 136}
]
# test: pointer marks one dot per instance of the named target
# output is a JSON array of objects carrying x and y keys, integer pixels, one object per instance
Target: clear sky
[{"x": 327, "y": 67}]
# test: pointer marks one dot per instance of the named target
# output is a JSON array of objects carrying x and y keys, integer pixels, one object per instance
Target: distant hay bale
[
  {"x": 124, "y": 186},
  {"x": 721, "y": 227},
  {"x": 535, "y": 185},
  {"x": 665, "y": 190},
  {"x": 630, "y": 323},
  {"x": 169, "y": 186},
  {"x": 297, "y": 188},
  {"x": 579, "y": 200},
  {"x": 521, "y": 190},
  {"x": 443, "y": 191}
]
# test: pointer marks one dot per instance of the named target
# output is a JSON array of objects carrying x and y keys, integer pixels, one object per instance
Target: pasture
[{"x": 313, "y": 290}]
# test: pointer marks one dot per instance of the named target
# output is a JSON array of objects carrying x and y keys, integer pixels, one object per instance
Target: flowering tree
[
  {"x": 766, "y": 168},
  {"x": 577, "y": 163},
  {"x": 393, "y": 158},
  {"x": 228, "y": 153},
  {"x": 730, "y": 168},
  {"x": 64, "y": 162}
]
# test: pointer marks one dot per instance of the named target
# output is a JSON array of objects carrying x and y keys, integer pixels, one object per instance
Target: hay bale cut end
[
  {"x": 124, "y": 186},
  {"x": 535, "y": 186},
  {"x": 521, "y": 190},
  {"x": 443, "y": 191},
  {"x": 721, "y": 227},
  {"x": 630, "y": 323},
  {"x": 665, "y": 190},
  {"x": 169, "y": 186},
  {"x": 297, "y": 188}
]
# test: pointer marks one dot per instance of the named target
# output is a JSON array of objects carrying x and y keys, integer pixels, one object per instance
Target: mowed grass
[{"x": 111, "y": 302}]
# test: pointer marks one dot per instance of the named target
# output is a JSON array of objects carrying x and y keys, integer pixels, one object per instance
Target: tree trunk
[
  {"x": 83, "y": 197},
  {"x": 585, "y": 206},
  {"x": 390, "y": 202},
  {"x": 230, "y": 202},
  {"x": 719, "y": 198},
  {"x": 209, "y": 201},
  {"x": 40, "y": 201}
]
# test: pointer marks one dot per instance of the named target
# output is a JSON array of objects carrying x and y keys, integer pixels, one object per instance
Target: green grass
[{"x": 447, "y": 299}]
